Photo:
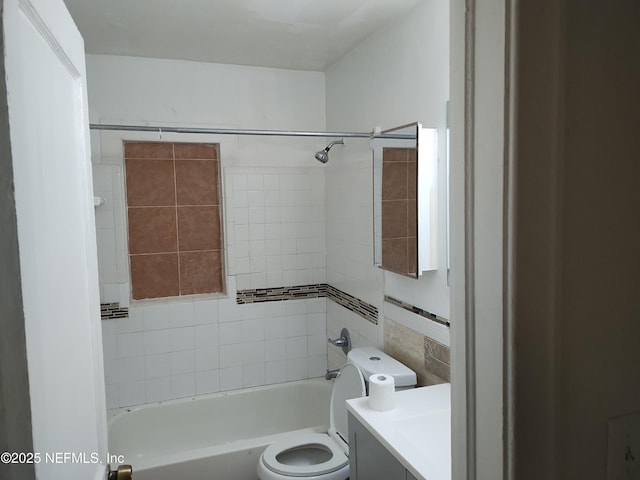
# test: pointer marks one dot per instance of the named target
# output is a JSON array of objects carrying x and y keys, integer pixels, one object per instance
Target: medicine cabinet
[{"x": 405, "y": 171}]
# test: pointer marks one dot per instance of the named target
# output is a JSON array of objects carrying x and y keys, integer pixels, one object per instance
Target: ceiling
[{"x": 292, "y": 34}]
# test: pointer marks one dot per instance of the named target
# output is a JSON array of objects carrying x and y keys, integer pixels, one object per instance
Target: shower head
[{"x": 323, "y": 155}]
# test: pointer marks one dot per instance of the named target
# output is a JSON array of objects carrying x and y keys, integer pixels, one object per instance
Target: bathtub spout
[{"x": 331, "y": 374}]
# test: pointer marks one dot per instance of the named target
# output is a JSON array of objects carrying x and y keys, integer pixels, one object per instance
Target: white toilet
[{"x": 324, "y": 456}]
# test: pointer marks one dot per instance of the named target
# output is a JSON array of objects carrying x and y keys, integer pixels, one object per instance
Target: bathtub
[{"x": 218, "y": 436}]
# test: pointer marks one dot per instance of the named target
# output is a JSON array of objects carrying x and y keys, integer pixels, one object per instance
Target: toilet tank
[{"x": 371, "y": 360}]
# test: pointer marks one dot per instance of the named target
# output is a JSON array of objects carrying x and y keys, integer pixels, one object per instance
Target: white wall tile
[
  {"x": 109, "y": 340},
  {"x": 273, "y": 309},
  {"x": 275, "y": 350},
  {"x": 229, "y": 310},
  {"x": 257, "y": 248},
  {"x": 241, "y": 233},
  {"x": 130, "y": 368},
  {"x": 296, "y": 307},
  {"x": 259, "y": 280},
  {"x": 296, "y": 347},
  {"x": 273, "y": 247},
  {"x": 207, "y": 358},
  {"x": 230, "y": 356},
  {"x": 207, "y": 382},
  {"x": 316, "y": 323},
  {"x": 130, "y": 345},
  {"x": 240, "y": 199},
  {"x": 253, "y": 311},
  {"x": 317, "y": 366},
  {"x": 206, "y": 335},
  {"x": 275, "y": 327},
  {"x": 271, "y": 182},
  {"x": 183, "y": 362},
  {"x": 230, "y": 333},
  {"x": 183, "y": 385},
  {"x": 183, "y": 339},
  {"x": 296, "y": 369},
  {"x": 271, "y": 198},
  {"x": 272, "y": 231},
  {"x": 290, "y": 277},
  {"x": 252, "y": 352},
  {"x": 289, "y": 247},
  {"x": 181, "y": 314},
  {"x": 243, "y": 268},
  {"x": 253, "y": 375},
  {"x": 111, "y": 371},
  {"x": 317, "y": 345},
  {"x": 206, "y": 312},
  {"x": 274, "y": 279},
  {"x": 296, "y": 326},
  {"x": 156, "y": 366},
  {"x": 276, "y": 372},
  {"x": 257, "y": 231},
  {"x": 134, "y": 323},
  {"x": 132, "y": 393},
  {"x": 244, "y": 281},
  {"x": 256, "y": 199},
  {"x": 241, "y": 216},
  {"x": 253, "y": 330},
  {"x": 231, "y": 378},
  {"x": 258, "y": 265},
  {"x": 112, "y": 394},
  {"x": 158, "y": 341},
  {"x": 240, "y": 182},
  {"x": 158, "y": 389},
  {"x": 242, "y": 250}
]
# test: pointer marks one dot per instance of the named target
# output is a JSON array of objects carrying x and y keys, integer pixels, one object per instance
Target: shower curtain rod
[{"x": 240, "y": 131}]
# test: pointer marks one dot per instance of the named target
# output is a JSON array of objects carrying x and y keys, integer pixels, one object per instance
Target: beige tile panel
[{"x": 410, "y": 348}]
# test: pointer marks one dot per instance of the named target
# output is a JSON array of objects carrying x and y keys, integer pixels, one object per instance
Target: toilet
[{"x": 324, "y": 456}]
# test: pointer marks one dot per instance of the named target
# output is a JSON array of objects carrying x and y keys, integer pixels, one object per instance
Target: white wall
[
  {"x": 396, "y": 76},
  {"x": 274, "y": 216}
]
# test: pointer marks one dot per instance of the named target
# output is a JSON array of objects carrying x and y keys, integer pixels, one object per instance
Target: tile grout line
[{"x": 175, "y": 195}]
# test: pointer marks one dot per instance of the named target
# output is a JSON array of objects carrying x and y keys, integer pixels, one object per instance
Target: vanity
[{"x": 412, "y": 441}]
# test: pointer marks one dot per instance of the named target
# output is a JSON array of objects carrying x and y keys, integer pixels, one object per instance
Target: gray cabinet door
[
  {"x": 410, "y": 477},
  {"x": 368, "y": 459}
]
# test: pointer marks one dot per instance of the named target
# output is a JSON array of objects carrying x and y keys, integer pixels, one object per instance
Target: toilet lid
[
  {"x": 349, "y": 384},
  {"x": 280, "y": 457}
]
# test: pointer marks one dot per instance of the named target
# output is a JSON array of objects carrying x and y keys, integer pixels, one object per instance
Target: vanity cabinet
[{"x": 369, "y": 459}]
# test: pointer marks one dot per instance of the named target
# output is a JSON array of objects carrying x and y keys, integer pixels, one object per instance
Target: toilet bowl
[{"x": 324, "y": 456}]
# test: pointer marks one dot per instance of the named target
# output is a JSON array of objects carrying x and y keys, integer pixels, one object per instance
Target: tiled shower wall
[
  {"x": 168, "y": 350},
  {"x": 171, "y": 348}
]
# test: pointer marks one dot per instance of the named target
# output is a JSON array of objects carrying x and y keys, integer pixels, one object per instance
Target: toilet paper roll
[{"x": 382, "y": 392}]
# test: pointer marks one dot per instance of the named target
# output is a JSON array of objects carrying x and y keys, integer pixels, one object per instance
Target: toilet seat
[
  {"x": 280, "y": 460},
  {"x": 337, "y": 456}
]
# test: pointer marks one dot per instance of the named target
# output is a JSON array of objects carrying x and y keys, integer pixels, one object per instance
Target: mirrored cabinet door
[{"x": 405, "y": 196}]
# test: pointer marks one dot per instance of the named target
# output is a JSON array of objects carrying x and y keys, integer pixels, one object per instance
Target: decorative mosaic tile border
[
  {"x": 362, "y": 308},
  {"x": 113, "y": 310},
  {"x": 417, "y": 310},
  {"x": 318, "y": 290},
  {"x": 276, "y": 294}
]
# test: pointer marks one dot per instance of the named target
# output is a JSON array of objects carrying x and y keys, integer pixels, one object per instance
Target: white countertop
[{"x": 417, "y": 432}]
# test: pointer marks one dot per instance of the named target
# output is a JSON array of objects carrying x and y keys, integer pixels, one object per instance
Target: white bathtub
[{"x": 219, "y": 436}]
